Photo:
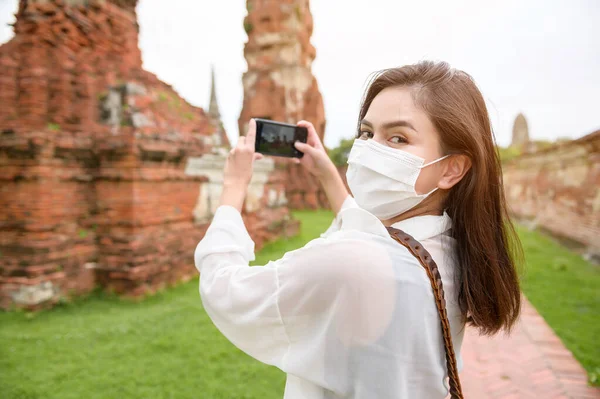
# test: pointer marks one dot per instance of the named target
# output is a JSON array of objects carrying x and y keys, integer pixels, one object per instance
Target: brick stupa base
[{"x": 93, "y": 156}]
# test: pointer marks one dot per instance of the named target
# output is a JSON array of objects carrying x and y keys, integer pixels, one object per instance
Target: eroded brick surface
[
  {"x": 279, "y": 83},
  {"x": 93, "y": 156},
  {"x": 558, "y": 189}
]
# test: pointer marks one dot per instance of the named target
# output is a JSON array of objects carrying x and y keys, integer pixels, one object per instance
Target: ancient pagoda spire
[
  {"x": 213, "y": 107},
  {"x": 219, "y": 136},
  {"x": 520, "y": 133}
]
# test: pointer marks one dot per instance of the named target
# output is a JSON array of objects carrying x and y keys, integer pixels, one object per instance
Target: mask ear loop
[
  {"x": 434, "y": 161},
  {"x": 431, "y": 163}
]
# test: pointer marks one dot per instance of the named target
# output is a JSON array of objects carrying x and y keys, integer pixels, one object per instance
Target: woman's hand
[
  {"x": 315, "y": 158},
  {"x": 317, "y": 162},
  {"x": 238, "y": 169}
]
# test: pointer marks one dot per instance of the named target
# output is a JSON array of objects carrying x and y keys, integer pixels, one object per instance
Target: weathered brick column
[
  {"x": 46, "y": 234},
  {"x": 144, "y": 203},
  {"x": 279, "y": 83}
]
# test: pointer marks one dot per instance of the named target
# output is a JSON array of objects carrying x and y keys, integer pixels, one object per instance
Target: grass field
[
  {"x": 163, "y": 347},
  {"x": 166, "y": 346},
  {"x": 565, "y": 289}
]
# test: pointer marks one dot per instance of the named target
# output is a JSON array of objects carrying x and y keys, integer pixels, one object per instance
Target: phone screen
[{"x": 276, "y": 138}]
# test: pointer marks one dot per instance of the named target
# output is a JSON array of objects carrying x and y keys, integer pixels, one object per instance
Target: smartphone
[{"x": 278, "y": 138}]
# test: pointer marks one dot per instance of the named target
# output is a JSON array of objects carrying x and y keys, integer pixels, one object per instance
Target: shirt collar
[
  {"x": 424, "y": 227},
  {"x": 420, "y": 227}
]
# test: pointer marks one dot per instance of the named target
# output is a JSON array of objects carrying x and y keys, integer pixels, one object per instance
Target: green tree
[{"x": 339, "y": 154}]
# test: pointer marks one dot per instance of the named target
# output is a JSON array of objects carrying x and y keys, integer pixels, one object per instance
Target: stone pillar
[
  {"x": 520, "y": 132},
  {"x": 279, "y": 83}
]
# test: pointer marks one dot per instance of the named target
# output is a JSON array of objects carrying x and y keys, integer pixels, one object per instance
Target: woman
[{"x": 352, "y": 313}]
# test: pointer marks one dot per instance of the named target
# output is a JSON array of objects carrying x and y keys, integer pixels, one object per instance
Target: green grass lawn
[
  {"x": 313, "y": 224},
  {"x": 163, "y": 347},
  {"x": 565, "y": 289},
  {"x": 166, "y": 346}
]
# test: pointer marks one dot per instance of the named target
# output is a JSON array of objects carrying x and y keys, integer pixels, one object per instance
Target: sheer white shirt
[{"x": 349, "y": 315}]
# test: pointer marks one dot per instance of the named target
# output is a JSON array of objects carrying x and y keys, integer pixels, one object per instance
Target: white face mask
[{"x": 383, "y": 179}]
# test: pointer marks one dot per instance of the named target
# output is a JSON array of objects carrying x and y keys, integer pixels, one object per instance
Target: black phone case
[{"x": 301, "y": 134}]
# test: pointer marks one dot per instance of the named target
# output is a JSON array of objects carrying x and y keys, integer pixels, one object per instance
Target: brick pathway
[{"x": 531, "y": 363}]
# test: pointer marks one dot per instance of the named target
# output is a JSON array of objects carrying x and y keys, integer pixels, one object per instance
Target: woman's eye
[
  {"x": 398, "y": 140},
  {"x": 364, "y": 135}
]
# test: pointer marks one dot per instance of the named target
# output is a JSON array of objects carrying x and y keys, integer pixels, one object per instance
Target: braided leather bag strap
[{"x": 438, "y": 290}]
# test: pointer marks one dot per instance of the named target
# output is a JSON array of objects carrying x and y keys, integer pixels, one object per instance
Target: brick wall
[
  {"x": 558, "y": 189},
  {"x": 93, "y": 158}
]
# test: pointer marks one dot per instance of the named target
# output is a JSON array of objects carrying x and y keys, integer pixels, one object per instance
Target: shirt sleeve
[
  {"x": 299, "y": 313},
  {"x": 348, "y": 203},
  {"x": 240, "y": 300}
]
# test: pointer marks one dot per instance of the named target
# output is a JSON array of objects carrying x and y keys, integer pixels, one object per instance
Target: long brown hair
[{"x": 488, "y": 248}]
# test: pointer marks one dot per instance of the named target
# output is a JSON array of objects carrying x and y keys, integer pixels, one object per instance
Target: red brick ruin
[
  {"x": 108, "y": 177},
  {"x": 279, "y": 83},
  {"x": 558, "y": 189}
]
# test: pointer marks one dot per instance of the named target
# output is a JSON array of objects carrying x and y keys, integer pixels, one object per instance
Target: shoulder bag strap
[{"x": 433, "y": 273}]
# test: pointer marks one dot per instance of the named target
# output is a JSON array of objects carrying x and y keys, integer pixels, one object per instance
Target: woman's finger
[
  {"x": 313, "y": 138},
  {"x": 241, "y": 142},
  {"x": 258, "y": 156},
  {"x": 305, "y": 148},
  {"x": 251, "y": 135}
]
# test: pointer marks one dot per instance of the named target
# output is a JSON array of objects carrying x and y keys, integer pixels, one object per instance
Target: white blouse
[{"x": 349, "y": 315}]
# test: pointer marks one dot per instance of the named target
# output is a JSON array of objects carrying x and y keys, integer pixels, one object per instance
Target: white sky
[{"x": 541, "y": 57}]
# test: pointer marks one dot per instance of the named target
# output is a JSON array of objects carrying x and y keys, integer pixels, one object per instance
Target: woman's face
[{"x": 394, "y": 120}]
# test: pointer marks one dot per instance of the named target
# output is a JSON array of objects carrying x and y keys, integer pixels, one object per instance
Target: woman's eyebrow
[{"x": 388, "y": 125}]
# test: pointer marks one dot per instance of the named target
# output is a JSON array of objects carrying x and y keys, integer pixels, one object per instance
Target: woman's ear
[{"x": 456, "y": 167}]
